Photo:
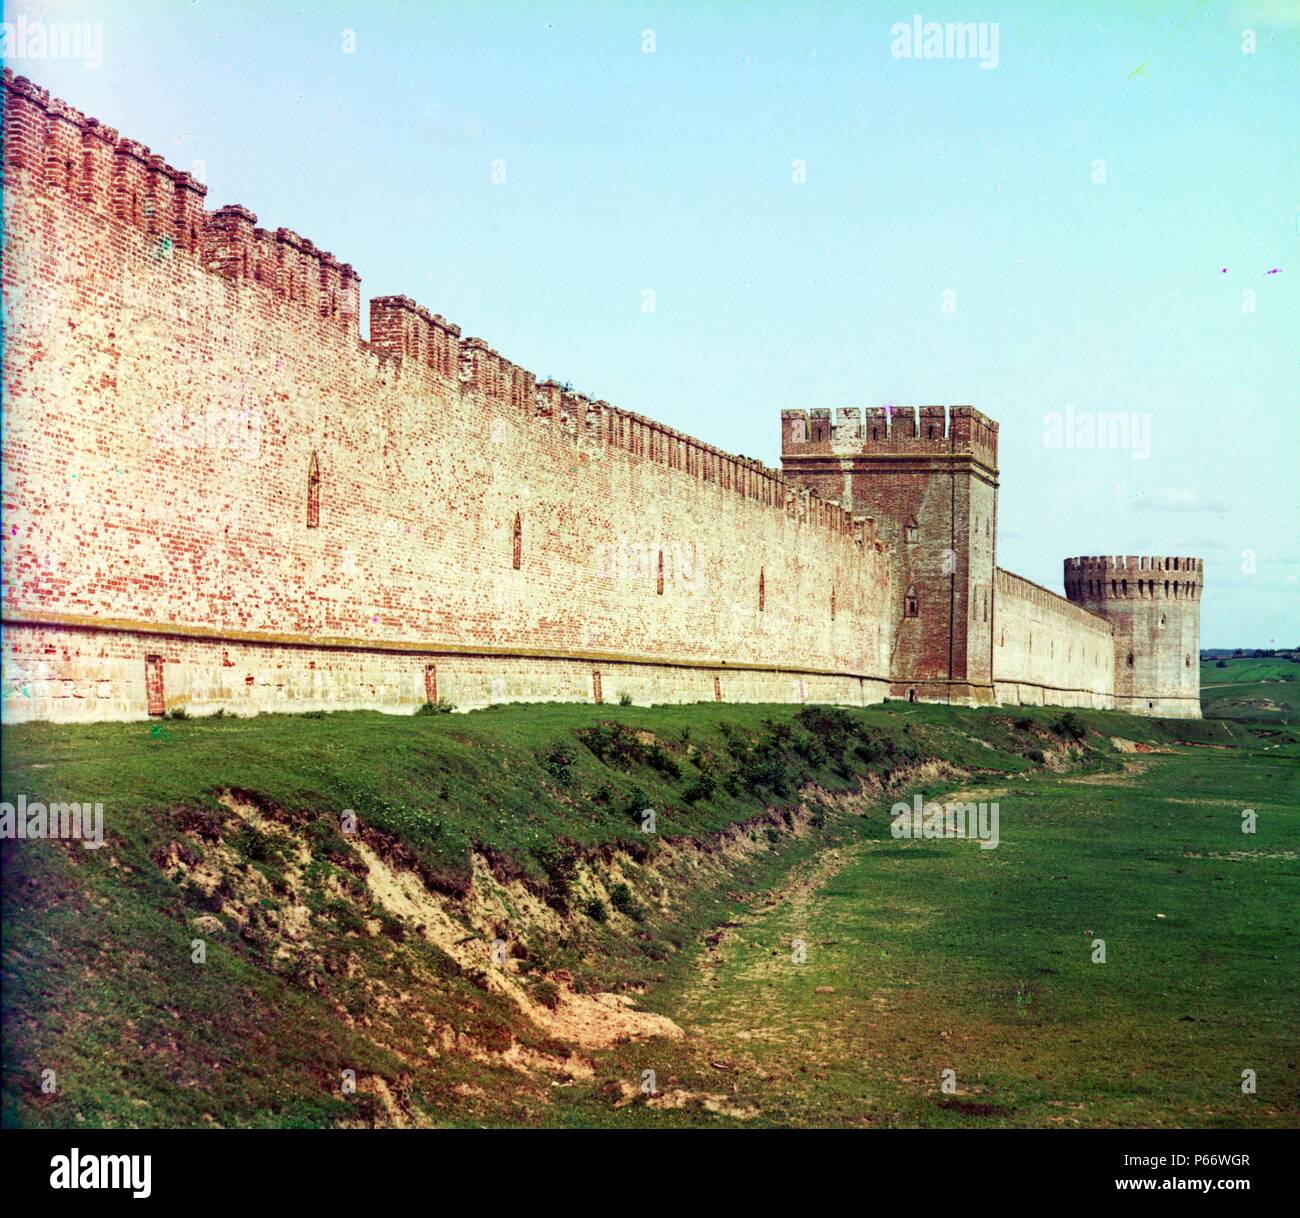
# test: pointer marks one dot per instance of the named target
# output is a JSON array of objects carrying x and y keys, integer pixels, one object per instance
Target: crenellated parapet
[
  {"x": 60, "y": 151},
  {"x": 287, "y": 267},
  {"x": 1133, "y": 577},
  {"x": 400, "y": 328},
  {"x": 55, "y": 148},
  {"x": 889, "y": 430}
]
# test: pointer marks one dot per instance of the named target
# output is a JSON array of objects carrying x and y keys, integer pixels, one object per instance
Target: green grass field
[
  {"x": 931, "y": 956},
  {"x": 773, "y": 825}
]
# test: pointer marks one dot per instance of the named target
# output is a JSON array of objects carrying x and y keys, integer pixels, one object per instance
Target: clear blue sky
[{"x": 672, "y": 172}]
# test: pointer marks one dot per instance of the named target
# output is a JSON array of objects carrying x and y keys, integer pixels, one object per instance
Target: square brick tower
[{"x": 929, "y": 489}]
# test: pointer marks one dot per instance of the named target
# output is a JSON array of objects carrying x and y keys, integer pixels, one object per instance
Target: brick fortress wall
[
  {"x": 1047, "y": 651},
  {"x": 217, "y": 495}
]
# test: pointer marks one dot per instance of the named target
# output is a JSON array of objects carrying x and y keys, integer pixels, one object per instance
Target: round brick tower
[{"x": 1154, "y": 608}]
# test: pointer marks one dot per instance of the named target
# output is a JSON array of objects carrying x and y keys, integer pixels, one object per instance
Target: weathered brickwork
[
  {"x": 1048, "y": 651},
  {"x": 217, "y": 495}
]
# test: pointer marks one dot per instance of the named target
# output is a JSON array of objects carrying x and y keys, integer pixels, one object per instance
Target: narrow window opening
[
  {"x": 910, "y": 530},
  {"x": 431, "y": 683},
  {"x": 762, "y": 590},
  {"x": 659, "y": 579},
  {"x": 518, "y": 545},
  {"x": 313, "y": 493},
  {"x": 910, "y": 607}
]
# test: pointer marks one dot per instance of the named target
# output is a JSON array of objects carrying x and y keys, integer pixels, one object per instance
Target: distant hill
[
  {"x": 1265, "y": 689},
  {"x": 1251, "y": 653}
]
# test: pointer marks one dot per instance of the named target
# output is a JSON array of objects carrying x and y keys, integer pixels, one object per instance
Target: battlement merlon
[
  {"x": 889, "y": 430},
  {"x": 400, "y": 328},
  {"x": 1128, "y": 564}
]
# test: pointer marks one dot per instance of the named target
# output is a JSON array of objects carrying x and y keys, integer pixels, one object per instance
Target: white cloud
[{"x": 1178, "y": 499}]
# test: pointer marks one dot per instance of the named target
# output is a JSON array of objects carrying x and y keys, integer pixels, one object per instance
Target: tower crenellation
[{"x": 889, "y": 429}]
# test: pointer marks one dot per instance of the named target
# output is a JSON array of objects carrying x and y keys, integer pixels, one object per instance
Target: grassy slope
[{"x": 99, "y": 985}]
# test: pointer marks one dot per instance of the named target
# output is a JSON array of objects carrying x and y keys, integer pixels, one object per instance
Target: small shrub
[
  {"x": 547, "y": 993},
  {"x": 702, "y": 787},
  {"x": 1070, "y": 727},
  {"x": 868, "y": 751},
  {"x": 614, "y": 744},
  {"x": 665, "y": 763},
  {"x": 1222, "y": 664},
  {"x": 178, "y": 712},
  {"x": 620, "y": 897},
  {"x": 560, "y": 864},
  {"x": 558, "y": 761},
  {"x": 441, "y": 707},
  {"x": 253, "y": 845},
  {"x": 625, "y": 699},
  {"x": 1025, "y": 723},
  {"x": 595, "y": 910}
]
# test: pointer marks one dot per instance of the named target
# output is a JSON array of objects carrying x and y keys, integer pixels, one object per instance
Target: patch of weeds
[
  {"x": 546, "y": 992},
  {"x": 560, "y": 863},
  {"x": 663, "y": 762},
  {"x": 614, "y": 744},
  {"x": 254, "y": 846},
  {"x": 620, "y": 897},
  {"x": 441, "y": 707},
  {"x": 1070, "y": 727},
  {"x": 558, "y": 761}
]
